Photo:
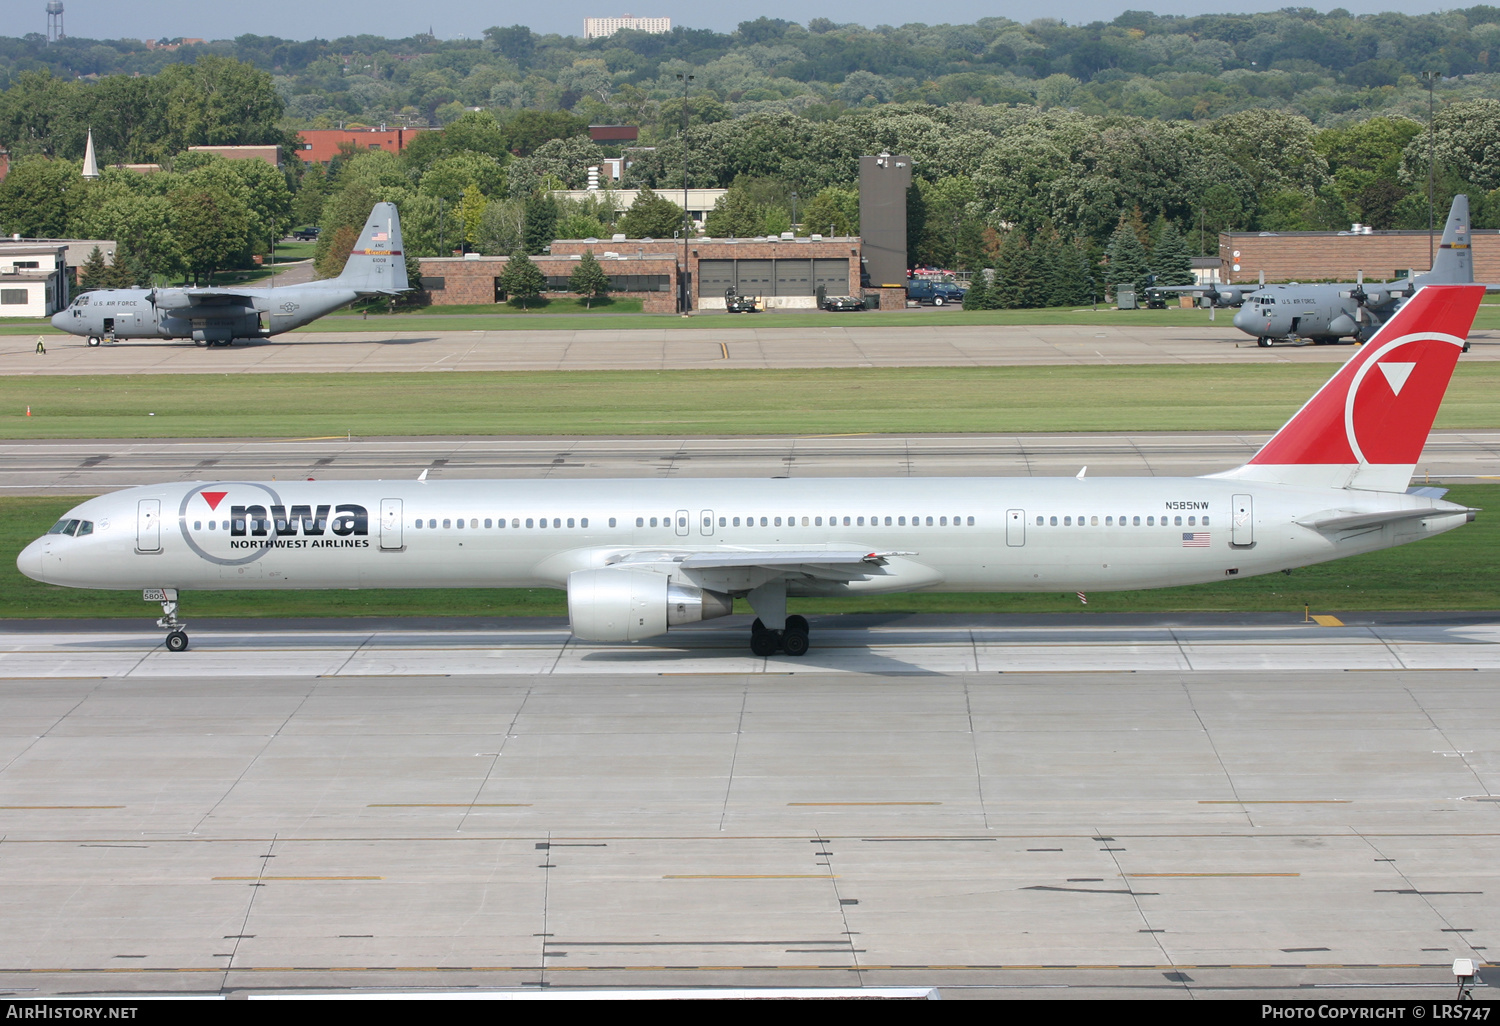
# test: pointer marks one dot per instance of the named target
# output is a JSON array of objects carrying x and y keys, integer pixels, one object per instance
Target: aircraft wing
[
  {"x": 826, "y": 564},
  {"x": 186, "y": 299}
]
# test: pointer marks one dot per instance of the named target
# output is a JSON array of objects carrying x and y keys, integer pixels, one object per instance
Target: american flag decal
[
  {"x": 1195, "y": 539},
  {"x": 379, "y": 237}
]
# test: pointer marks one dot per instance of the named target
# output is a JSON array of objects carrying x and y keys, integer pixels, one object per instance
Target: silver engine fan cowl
[{"x": 618, "y": 604}]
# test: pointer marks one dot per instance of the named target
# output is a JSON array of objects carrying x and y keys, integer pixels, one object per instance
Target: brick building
[
  {"x": 473, "y": 279},
  {"x": 1340, "y": 256},
  {"x": 320, "y": 145},
  {"x": 786, "y": 273}
]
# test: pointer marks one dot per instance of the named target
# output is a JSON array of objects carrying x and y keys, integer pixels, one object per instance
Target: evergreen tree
[
  {"x": 589, "y": 279},
  {"x": 93, "y": 274},
  {"x": 123, "y": 274},
  {"x": 1128, "y": 264},
  {"x": 1021, "y": 283},
  {"x": 521, "y": 281},
  {"x": 651, "y": 217},
  {"x": 978, "y": 292},
  {"x": 541, "y": 222},
  {"x": 1171, "y": 261}
]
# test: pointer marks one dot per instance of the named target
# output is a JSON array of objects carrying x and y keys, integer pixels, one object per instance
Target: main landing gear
[
  {"x": 177, "y": 639},
  {"x": 793, "y": 640}
]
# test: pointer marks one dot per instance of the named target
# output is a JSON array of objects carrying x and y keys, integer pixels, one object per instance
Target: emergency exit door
[
  {"x": 390, "y": 524},
  {"x": 1015, "y": 527},
  {"x": 148, "y": 525},
  {"x": 1242, "y": 522}
]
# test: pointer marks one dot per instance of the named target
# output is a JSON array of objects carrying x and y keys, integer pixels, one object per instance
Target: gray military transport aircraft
[
  {"x": 218, "y": 316},
  {"x": 1332, "y": 312},
  {"x": 637, "y": 557}
]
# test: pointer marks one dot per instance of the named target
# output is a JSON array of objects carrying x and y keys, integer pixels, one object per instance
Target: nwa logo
[{"x": 258, "y": 522}]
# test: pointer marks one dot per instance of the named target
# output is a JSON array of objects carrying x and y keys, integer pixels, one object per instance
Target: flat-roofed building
[
  {"x": 699, "y": 201},
  {"x": 473, "y": 279},
  {"x": 270, "y": 154},
  {"x": 33, "y": 277},
  {"x": 1340, "y": 256},
  {"x": 598, "y": 28},
  {"x": 320, "y": 145}
]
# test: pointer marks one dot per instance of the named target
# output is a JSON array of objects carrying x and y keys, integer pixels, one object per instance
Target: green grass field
[
  {"x": 1457, "y": 570},
  {"x": 834, "y": 401}
]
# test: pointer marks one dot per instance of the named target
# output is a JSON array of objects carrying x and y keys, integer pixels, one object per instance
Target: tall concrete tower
[{"x": 54, "y": 21}]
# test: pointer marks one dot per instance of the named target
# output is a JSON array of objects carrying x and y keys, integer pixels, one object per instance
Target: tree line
[{"x": 1327, "y": 66}]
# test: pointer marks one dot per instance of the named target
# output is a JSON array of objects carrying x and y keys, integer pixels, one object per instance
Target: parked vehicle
[
  {"x": 843, "y": 303},
  {"x": 307, "y": 234},
  {"x": 936, "y": 293},
  {"x": 736, "y": 303}
]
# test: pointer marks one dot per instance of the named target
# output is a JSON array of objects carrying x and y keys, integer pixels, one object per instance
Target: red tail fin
[{"x": 1366, "y": 427}]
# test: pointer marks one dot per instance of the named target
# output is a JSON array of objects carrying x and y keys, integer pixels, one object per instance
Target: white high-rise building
[{"x": 598, "y": 28}]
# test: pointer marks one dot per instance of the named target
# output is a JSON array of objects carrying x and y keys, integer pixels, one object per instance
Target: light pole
[
  {"x": 1430, "y": 77},
  {"x": 687, "y": 217},
  {"x": 794, "y": 213}
]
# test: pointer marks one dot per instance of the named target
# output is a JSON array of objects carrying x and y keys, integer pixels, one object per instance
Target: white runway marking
[{"x": 351, "y": 653}]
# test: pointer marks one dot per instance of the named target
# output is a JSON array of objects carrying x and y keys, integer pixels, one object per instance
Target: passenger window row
[
  {"x": 1045, "y": 521},
  {"x": 500, "y": 523},
  {"x": 449, "y": 523}
]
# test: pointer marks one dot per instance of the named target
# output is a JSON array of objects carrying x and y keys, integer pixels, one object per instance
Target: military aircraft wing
[{"x": 186, "y": 299}]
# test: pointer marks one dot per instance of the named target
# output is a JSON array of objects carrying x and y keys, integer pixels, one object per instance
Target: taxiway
[{"x": 1186, "y": 809}]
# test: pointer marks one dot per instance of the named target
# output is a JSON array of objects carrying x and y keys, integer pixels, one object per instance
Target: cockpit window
[{"x": 72, "y": 528}]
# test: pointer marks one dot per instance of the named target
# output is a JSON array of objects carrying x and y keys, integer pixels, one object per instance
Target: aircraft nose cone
[
  {"x": 57, "y": 320},
  {"x": 1248, "y": 320},
  {"x": 29, "y": 562}
]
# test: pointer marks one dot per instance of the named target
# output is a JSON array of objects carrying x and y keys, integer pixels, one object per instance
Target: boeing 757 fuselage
[{"x": 639, "y": 557}]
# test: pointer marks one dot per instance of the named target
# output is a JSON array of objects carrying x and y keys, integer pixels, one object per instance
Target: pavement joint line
[{"x": 908, "y": 967}]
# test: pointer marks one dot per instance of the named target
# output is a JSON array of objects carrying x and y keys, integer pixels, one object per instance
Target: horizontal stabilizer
[{"x": 1344, "y": 520}]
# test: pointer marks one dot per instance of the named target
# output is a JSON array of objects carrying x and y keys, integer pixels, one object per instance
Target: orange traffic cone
[{"x": 28, "y": 411}]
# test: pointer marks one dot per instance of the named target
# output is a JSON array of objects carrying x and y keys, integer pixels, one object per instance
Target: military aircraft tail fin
[
  {"x": 1366, "y": 427},
  {"x": 1453, "y": 263},
  {"x": 377, "y": 263}
]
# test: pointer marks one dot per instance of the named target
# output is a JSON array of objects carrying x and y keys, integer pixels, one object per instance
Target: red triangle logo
[{"x": 214, "y": 498}]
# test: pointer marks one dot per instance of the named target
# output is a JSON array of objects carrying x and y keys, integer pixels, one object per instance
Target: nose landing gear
[{"x": 177, "y": 639}]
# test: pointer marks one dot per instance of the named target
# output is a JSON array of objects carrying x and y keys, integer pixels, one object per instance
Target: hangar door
[
  {"x": 715, "y": 276},
  {"x": 799, "y": 277},
  {"x": 832, "y": 276}
]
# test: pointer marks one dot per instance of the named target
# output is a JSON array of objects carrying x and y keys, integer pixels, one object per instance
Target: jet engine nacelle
[{"x": 617, "y": 604}]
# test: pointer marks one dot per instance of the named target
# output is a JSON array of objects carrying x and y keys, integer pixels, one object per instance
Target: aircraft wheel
[
  {"x": 1264, "y": 343},
  {"x": 797, "y": 623},
  {"x": 177, "y": 641},
  {"x": 764, "y": 643},
  {"x": 94, "y": 340},
  {"x": 795, "y": 643}
]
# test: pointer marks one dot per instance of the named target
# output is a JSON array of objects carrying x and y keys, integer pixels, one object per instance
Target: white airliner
[{"x": 639, "y": 557}]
